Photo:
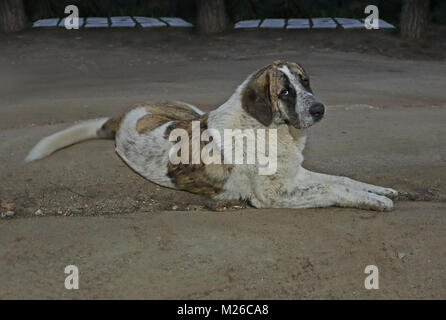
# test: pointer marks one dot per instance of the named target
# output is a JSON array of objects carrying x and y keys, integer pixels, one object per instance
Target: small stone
[
  {"x": 400, "y": 255},
  {"x": 7, "y": 214},
  {"x": 39, "y": 212}
]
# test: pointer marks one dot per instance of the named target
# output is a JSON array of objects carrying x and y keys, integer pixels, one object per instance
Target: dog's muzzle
[{"x": 317, "y": 111}]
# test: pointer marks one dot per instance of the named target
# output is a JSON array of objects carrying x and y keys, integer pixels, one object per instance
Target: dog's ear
[{"x": 256, "y": 98}]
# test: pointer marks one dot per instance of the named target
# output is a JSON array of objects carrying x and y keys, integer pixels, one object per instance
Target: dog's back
[{"x": 146, "y": 117}]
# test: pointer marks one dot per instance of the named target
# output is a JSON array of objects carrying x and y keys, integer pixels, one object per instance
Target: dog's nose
[{"x": 317, "y": 110}]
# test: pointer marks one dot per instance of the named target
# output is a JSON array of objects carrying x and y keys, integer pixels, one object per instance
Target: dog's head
[{"x": 281, "y": 93}]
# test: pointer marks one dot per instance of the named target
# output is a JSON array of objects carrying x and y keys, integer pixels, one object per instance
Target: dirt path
[
  {"x": 287, "y": 254},
  {"x": 385, "y": 125}
]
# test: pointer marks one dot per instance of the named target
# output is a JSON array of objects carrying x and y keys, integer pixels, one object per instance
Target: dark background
[{"x": 237, "y": 10}]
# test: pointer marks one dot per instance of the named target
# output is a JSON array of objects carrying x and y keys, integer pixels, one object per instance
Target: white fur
[
  {"x": 291, "y": 186},
  {"x": 79, "y": 132},
  {"x": 146, "y": 153},
  {"x": 245, "y": 182},
  {"x": 303, "y": 102}
]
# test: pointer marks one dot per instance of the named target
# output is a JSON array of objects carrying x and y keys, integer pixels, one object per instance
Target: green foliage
[
  {"x": 250, "y": 9},
  {"x": 90, "y": 8},
  {"x": 289, "y": 8},
  {"x": 244, "y": 10},
  {"x": 438, "y": 12}
]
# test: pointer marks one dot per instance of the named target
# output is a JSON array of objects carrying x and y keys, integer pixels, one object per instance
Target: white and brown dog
[{"x": 278, "y": 97}]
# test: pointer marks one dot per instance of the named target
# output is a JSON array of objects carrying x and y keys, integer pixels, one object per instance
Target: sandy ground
[{"x": 385, "y": 124}]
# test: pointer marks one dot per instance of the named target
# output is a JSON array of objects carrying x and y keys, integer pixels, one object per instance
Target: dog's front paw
[
  {"x": 390, "y": 193},
  {"x": 376, "y": 203},
  {"x": 385, "y": 204},
  {"x": 387, "y": 192},
  {"x": 255, "y": 203}
]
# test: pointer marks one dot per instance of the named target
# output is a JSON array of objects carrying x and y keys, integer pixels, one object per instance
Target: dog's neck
[{"x": 230, "y": 115}]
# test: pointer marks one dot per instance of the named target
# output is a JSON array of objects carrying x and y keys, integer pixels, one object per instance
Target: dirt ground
[{"x": 385, "y": 124}]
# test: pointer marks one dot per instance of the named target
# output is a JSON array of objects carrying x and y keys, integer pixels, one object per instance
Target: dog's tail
[{"x": 103, "y": 128}]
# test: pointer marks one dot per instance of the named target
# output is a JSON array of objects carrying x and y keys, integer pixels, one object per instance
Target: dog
[{"x": 277, "y": 97}]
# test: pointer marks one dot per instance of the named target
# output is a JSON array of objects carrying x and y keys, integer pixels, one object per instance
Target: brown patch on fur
[
  {"x": 159, "y": 113},
  {"x": 162, "y": 113},
  {"x": 186, "y": 124},
  {"x": 261, "y": 96},
  {"x": 150, "y": 122},
  {"x": 294, "y": 67},
  {"x": 173, "y": 111},
  {"x": 197, "y": 178},
  {"x": 108, "y": 129},
  {"x": 297, "y": 68},
  {"x": 112, "y": 124}
]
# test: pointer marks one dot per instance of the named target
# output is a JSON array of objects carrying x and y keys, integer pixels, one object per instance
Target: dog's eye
[{"x": 284, "y": 92}]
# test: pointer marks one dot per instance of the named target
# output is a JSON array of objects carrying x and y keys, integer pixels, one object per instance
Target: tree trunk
[
  {"x": 212, "y": 16},
  {"x": 414, "y": 18},
  {"x": 12, "y": 15}
]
